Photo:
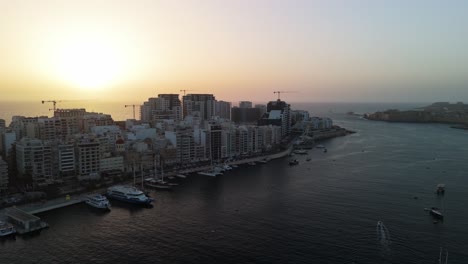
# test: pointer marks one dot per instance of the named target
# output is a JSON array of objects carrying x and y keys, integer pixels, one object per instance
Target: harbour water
[{"x": 320, "y": 211}]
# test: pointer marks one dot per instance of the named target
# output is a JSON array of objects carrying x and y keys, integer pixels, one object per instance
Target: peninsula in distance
[{"x": 439, "y": 112}]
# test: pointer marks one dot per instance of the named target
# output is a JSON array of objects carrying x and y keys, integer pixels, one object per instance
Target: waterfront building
[
  {"x": 215, "y": 142},
  {"x": 3, "y": 176},
  {"x": 34, "y": 159},
  {"x": 66, "y": 159},
  {"x": 88, "y": 154},
  {"x": 183, "y": 140}
]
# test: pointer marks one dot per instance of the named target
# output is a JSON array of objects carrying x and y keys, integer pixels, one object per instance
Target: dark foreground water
[{"x": 322, "y": 211}]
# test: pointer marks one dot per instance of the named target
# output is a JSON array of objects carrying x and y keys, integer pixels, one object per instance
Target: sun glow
[{"x": 88, "y": 63}]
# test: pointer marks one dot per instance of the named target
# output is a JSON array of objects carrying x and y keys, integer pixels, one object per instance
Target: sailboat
[
  {"x": 213, "y": 172},
  {"x": 157, "y": 183}
]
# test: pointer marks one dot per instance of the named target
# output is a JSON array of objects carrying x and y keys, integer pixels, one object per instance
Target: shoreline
[{"x": 76, "y": 198}]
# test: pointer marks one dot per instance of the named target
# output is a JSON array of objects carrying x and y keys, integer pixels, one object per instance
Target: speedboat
[
  {"x": 320, "y": 146},
  {"x": 98, "y": 201},
  {"x": 435, "y": 212},
  {"x": 181, "y": 176},
  {"x": 383, "y": 235},
  {"x": 128, "y": 194},
  {"x": 6, "y": 229},
  {"x": 293, "y": 162}
]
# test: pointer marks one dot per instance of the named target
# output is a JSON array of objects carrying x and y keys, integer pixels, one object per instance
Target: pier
[{"x": 24, "y": 222}]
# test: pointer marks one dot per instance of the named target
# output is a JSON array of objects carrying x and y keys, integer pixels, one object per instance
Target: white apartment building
[
  {"x": 88, "y": 153},
  {"x": 34, "y": 158},
  {"x": 66, "y": 159}
]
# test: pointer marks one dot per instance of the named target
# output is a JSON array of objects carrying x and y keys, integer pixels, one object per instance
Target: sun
[{"x": 88, "y": 64}]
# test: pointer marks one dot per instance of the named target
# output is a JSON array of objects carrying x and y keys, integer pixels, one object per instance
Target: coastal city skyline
[
  {"x": 330, "y": 51},
  {"x": 243, "y": 131}
]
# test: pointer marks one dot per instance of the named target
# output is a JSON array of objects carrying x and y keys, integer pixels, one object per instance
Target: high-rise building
[
  {"x": 3, "y": 175},
  {"x": 245, "y": 115},
  {"x": 66, "y": 159},
  {"x": 34, "y": 158},
  {"x": 7, "y": 138},
  {"x": 223, "y": 109},
  {"x": 199, "y": 104},
  {"x": 262, "y": 108},
  {"x": 165, "y": 106},
  {"x": 215, "y": 142},
  {"x": 245, "y": 104},
  {"x": 88, "y": 153},
  {"x": 278, "y": 114}
]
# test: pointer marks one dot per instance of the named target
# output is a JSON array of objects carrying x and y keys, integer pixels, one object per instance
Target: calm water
[{"x": 322, "y": 211}]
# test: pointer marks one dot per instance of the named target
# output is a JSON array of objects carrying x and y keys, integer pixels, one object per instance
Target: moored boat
[
  {"x": 98, "y": 201},
  {"x": 157, "y": 183},
  {"x": 209, "y": 173},
  {"x": 300, "y": 151},
  {"x": 128, "y": 194},
  {"x": 6, "y": 229}
]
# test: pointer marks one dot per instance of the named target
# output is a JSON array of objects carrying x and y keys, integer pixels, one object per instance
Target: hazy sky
[{"x": 239, "y": 50}]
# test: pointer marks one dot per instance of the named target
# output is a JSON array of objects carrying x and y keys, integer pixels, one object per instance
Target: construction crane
[
  {"x": 54, "y": 102},
  {"x": 186, "y": 91},
  {"x": 280, "y": 92},
  {"x": 133, "y": 109}
]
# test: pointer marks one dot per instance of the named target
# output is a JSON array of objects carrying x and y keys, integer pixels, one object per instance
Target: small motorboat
[
  {"x": 293, "y": 162},
  {"x": 435, "y": 212}
]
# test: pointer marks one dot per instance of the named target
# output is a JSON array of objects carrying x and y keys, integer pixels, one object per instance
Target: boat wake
[{"x": 383, "y": 236}]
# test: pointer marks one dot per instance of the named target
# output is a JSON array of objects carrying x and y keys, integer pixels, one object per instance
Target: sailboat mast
[
  {"x": 134, "y": 179},
  {"x": 141, "y": 170}
]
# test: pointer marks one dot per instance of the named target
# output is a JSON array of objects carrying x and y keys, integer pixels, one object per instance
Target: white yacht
[
  {"x": 98, "y": 201},
  {"x": 128, "y": 194},
  {"x": 6, "y": 229}
]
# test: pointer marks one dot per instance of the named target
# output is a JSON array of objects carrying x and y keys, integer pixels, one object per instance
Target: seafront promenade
[{"x": 67, "y": 200}]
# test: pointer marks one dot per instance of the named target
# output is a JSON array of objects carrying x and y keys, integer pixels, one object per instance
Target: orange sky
[{"x": 238, "y": 50}]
